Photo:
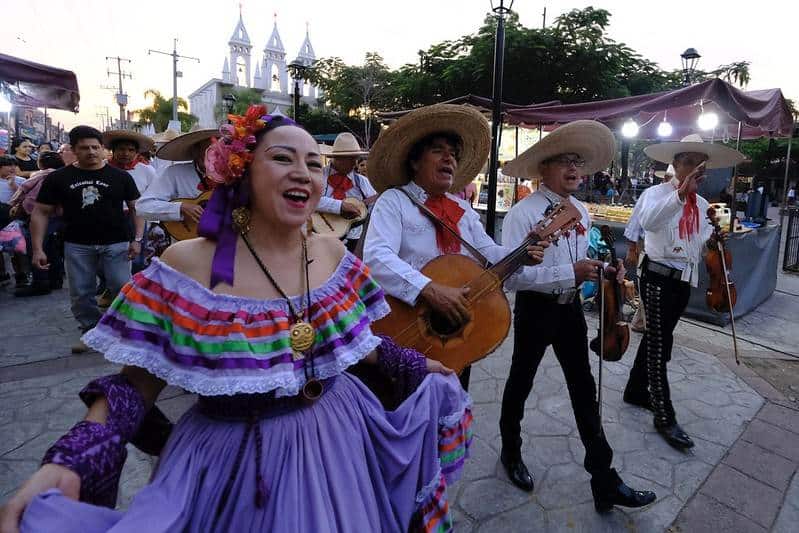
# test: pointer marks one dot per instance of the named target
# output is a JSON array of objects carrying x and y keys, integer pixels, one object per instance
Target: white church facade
[{"x": 271, "y": 76}]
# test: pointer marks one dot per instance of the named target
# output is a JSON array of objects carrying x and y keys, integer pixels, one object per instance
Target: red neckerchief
[
  {"x": 689, "y": 221},
  {"x": 114, "y": 163},
  {"x": 340, "y": 184},
  {"x": 450, "y": 213}
]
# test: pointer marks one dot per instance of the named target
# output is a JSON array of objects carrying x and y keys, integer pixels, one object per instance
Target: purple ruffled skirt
[{"x": 342, "y": 464}]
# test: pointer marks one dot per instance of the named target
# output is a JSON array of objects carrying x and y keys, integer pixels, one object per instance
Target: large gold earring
[{"x": 241, "y": 219}]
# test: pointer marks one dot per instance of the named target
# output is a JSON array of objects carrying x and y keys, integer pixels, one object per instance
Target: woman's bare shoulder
[{"x": 191, "y": 257}]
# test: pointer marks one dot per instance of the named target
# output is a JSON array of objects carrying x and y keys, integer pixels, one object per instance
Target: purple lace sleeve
[
  {"x": 405, "y": 366},
  {"x": 94, "y": 451}
]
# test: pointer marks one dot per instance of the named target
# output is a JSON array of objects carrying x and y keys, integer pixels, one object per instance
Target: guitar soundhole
[{"x": 441, "y": 326}]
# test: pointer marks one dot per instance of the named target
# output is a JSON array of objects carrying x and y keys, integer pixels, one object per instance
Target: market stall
[{"x": 726, "y": 114}]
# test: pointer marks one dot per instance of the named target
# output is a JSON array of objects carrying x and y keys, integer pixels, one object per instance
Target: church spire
[
  {"x": 240, "y": 35},
  {"x": 275, "y": 43},
  {"x": 306, "y": 55}
]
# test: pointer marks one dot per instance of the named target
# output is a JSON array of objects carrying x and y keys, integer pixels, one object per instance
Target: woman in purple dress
[{"x": 261, "y": 322}]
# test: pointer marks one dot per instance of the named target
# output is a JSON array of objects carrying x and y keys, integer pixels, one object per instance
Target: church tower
[
  {"x": 275, "y": 73},
  {"x": 306, "y": 56},
  {"x": 240, "y": 48}
]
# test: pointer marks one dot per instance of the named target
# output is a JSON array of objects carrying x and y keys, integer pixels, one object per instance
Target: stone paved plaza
[{"x": 739, "y": 477}]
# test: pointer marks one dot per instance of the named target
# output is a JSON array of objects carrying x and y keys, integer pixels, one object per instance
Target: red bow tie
[
  {"x": 449, "y": 212},
  {"x": 340, "y": 184}
]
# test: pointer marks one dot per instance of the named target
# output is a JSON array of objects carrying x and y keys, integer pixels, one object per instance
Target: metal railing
[{"x": 790, "y": 259}]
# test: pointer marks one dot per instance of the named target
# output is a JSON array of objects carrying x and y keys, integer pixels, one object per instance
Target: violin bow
[
  {"x": 729, "y": 299},
  {"x": 601, "y": 341}
]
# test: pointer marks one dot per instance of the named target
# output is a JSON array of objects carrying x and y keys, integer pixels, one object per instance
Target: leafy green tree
[
  {"x": 245, "y": 97},
  {"x": 160, "y": 112}
]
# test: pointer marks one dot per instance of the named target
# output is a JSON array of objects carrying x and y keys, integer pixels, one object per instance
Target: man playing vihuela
[
  {"x": 422, "y": 159},
  {"x": 186, "y": 179},
  {"x": 548, "y": 311},
  {"x": 342, "y": 182}
]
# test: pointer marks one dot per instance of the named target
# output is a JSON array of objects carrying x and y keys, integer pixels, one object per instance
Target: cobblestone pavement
[{"x": 741, "y": 475}]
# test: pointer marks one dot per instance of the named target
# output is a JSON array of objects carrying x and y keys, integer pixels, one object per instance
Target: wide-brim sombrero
[
  {"x": 589, "y": 139},
  {"x": 179, "y": 149},
  {"x": 387, "y": 161},
  {"x": 144, "y": 142},
  {"x": 719, "y": 156}
]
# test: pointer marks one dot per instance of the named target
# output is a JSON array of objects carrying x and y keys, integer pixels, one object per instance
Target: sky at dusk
[{"x": 79, "y": 34}]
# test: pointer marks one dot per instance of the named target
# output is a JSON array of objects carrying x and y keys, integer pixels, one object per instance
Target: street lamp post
[
  {"x": 690, "y": 58},
  {"x": 496, "y": 117},
  {"x": 228, "y": 101},
  {"x": 297, "y": 70}
]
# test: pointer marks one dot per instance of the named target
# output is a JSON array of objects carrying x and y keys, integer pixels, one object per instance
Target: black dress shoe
[
  {"x": 616, "y": 492},
  {"x": 637, "y": 400},
  {"x": 676, "y": 436},
  {"x": 517, "y": 472},
  {"x": 34, "y": 289}
]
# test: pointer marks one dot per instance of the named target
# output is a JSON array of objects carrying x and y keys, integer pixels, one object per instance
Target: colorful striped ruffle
[
  {"x": 214, "y": 344},
  {"x": 454, "y": 439}
]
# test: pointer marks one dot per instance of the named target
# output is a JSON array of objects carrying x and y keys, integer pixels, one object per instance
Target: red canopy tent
[
  {"x": 761, "y": 113},
  {"x": 36, "y": 85},
  {"x": 480, "y": 102}
]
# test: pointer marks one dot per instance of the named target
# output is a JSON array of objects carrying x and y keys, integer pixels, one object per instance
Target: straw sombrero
[
  {"x": 387, "y": 166},
  {"x": 589, "y": 139},
  {"x": 144, "y": 142},
  {"x": 179, "y": 149},
  {"x": 719, "y": 156},
  {"x": 165, "y": 136},
  {"x": 345, "y": 145}
]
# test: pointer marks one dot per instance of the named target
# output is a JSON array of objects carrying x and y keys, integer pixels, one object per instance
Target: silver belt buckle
[{"x": 566, "y": 297}]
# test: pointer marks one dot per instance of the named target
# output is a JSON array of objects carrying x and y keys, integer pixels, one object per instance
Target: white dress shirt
[
  {"x": 361, "y": 189},
  {"x": 661, "y": 210},
  {"x": 633, "y": 231},
  {"x": 555, "y": 273},
  {"x": 143, "y": 175},
  {"x": 177, "y": 181},
  {"x": 401, "y": 240}
]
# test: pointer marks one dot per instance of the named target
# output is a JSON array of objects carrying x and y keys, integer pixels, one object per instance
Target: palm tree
[{"x": 160, "y": 112}]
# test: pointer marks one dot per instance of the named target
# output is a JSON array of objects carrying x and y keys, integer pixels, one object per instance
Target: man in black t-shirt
[{"x": 96, "y": 231}]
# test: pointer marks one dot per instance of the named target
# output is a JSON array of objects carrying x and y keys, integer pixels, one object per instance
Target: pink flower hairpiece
[{"x": 228, "y": 157}]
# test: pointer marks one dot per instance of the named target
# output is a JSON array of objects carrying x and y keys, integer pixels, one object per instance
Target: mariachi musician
[
  {"x": 426, "y": 155},
  {"x": 184, "y": 179},
  {"x": 548, "y": 311},
  {"x": 342, "y": 181},
  {"x": 672, "y": 215}
]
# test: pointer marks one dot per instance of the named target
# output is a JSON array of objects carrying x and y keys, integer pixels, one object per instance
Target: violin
[
  {"x": 721, "y": 295},
  {"x": 613, "y": 335}
]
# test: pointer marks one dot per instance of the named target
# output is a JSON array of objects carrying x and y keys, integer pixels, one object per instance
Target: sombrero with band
[
  {"x": 719, "y": 156},
  {"x": 179, "y": 149},
  {"x": 345, "y": 145},
  {"x": 144, "y": 143},
  {"x": 387, "y": 161},
  {"x": 589, "y": 139},
  {"x": 165, "y": 136}
]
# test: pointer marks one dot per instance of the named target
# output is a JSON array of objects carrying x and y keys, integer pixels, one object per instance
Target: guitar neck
[{"x": 514, "y": 260}]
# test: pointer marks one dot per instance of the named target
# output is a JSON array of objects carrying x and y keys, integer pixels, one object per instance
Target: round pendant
[
  {"x": 312, "y": 390},
  {"x": 301, "y": 336}
]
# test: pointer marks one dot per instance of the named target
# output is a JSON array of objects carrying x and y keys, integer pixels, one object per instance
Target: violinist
[
  {"x": 672, "y": 215},
  {"x": 548, "y": 310}
]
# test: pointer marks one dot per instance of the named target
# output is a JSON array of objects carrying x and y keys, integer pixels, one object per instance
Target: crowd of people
[{"x": 263, "y": 318}]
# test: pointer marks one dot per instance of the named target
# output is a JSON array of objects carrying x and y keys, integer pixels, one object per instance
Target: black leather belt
[
  {"x": 566, "y": 297},
  {"x": 662, "y": 270}
]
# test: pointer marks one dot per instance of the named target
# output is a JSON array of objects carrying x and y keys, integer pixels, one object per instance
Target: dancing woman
[{"x": 281, "y": 437}]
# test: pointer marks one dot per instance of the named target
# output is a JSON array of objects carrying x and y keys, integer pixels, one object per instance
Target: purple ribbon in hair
[{"x": 216, "y": 222}]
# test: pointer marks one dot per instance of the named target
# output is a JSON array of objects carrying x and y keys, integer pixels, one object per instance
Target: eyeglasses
[{"x": 567, "y": 161}]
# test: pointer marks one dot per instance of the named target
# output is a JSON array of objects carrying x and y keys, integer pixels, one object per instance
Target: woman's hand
[
  {"x": 437, "y": 367},
  {"x": 49, "y": 476}
]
